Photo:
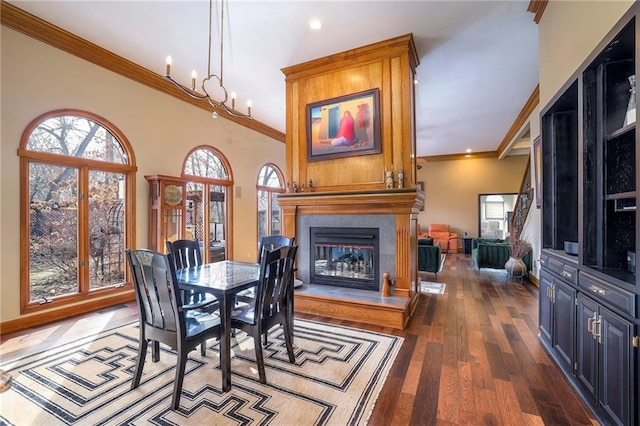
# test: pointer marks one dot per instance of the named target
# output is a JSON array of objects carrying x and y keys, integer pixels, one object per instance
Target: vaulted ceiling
[{"x": 478, "y": 70}]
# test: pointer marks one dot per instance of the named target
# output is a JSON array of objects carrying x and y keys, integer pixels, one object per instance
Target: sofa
[
  {"x": 493, "y": 253},
  {"x": 429, "y": 256}
]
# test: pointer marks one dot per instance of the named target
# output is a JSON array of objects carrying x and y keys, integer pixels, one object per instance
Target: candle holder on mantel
[
  {"x": 389, "y": 179},
  {"x": 400, "y": 179}
]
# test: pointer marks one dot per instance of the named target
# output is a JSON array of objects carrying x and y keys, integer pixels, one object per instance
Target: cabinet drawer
[
  {"x": 569, "y": 274},
  {"x": 563, "y": 270},
  {"x": 608, "y": 293},
  {"x": 554, "y": 265},
  {"x": 544, "y": 259}
]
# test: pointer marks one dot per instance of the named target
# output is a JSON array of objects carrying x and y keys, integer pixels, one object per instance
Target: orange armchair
[{"x": 441, "y": 234}]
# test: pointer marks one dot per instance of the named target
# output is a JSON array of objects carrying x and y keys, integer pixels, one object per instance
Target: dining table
[{"x": 224, "y": 280}]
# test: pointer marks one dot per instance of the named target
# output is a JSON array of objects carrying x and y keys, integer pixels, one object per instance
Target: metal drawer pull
[
  {"x": 590, "y": 321},
  {"x": 596, "y": 289},
  {"x": 542, "y": 262},
  {"x": 567, "y": 274}
]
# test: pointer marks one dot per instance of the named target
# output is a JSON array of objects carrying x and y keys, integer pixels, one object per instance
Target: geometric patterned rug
[{"x": 336, "y": 379}]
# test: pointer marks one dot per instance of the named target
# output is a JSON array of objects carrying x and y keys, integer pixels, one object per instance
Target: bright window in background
[
  {"x": 494, "y": 211},
  {"x": 270, "y": 184},
  {"x": 209, "y": 184}
]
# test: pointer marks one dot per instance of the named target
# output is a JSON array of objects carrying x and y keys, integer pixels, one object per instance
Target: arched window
[
  {"x": 77, "y": 180},
  {"x": 270, "y": 184},
  {"x": 209, "y": 184}
]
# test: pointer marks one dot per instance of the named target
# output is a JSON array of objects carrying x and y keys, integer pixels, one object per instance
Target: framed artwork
[
  {"x": 537, "y": 169},
  {"x": 421, "y": 187},
  {"x": 346, "y": 126}
]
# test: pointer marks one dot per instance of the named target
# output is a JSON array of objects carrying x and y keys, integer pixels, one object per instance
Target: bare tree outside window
[{"x": 76, "y": 222}]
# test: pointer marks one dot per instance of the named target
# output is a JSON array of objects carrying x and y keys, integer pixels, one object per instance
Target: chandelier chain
[{"x": 205, "y": 95}]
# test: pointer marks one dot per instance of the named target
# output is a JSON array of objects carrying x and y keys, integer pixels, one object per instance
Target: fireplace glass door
[{"x": 345, "y": 257}]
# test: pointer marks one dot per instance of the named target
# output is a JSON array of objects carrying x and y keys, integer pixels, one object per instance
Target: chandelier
[{"x": 193, "y": 93}]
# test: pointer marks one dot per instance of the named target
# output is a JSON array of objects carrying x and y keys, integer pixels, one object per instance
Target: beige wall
[
  {"x": 568, "y": 32},
  {"x": 452, "y": 188},
  {"x": 36, "y": 78}
]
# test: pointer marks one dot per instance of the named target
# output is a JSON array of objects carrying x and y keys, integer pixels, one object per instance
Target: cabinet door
[
  {"x": 587, "y": 345},
  {"x": 545, "y": 311},
  {"x": 615, "y": 355},
  {"x": 564, "y": 316}
]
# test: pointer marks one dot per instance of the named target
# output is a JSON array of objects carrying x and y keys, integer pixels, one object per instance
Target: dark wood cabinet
[
  {"x": 610, "y": 160},
  {"x": 557, "y": 317},
  {"x": 588, "y": 302},
  {"x": 563, "y": 341},
  {"x": 545, "y": 313},
  {"x": 559, "y": 128},
  {"x": 604, "y": 360}
]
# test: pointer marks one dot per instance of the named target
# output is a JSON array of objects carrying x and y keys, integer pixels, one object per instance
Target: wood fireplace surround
[{"x": 355, "y": 187}]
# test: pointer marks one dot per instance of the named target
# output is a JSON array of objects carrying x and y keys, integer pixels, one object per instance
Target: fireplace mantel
[{"x": 384, "y": 201}]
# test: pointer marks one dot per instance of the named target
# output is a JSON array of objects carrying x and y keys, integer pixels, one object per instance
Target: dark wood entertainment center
[{"x": 589, "y": 314}]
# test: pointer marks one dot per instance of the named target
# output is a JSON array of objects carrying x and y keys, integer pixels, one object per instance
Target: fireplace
[{"x": 345, "y": 257}]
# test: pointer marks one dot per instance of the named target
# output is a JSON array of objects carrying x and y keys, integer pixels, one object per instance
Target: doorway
[{"x": 494, "y": 213}]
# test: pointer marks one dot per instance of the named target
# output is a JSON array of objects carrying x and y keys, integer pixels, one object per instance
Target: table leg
[{"x": 226, "y": 306}]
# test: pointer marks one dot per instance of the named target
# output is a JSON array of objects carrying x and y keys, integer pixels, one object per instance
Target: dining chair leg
[
  {"x": 259, "y": 358},
  {"x": 177, "y": 387},
  {"x": 155, "y": 351},
  {"x": 203, "y": 348},
  {"x": 288, "y": 340},
  {"x": 142, "y": 354},
  {"x": 290, "y": 319}
]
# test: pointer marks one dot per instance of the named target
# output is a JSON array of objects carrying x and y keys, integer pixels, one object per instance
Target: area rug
[
  {"x": 432, "y": 288},
  {"x": 336, "y": 379}
]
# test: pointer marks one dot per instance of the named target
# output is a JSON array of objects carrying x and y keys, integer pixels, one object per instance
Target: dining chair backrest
[
  {"x": 271, "y": 242},
  {"x": 162, "y": 316},
  {"x": 156, "y": 287},
  {"x": 276, "y": 280},
  {"x": 185, "y": 253}
]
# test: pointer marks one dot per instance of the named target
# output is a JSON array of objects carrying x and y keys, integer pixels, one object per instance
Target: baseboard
[{"x": 53, "y": 315}]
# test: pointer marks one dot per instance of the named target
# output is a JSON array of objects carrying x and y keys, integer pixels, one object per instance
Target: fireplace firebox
[{"x": 345, "y": 257}]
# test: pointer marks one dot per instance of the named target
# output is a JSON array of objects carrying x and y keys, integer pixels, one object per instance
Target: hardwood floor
[{"x": 470, "y": 356}]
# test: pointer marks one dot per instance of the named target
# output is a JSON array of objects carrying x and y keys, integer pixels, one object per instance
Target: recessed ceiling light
[
  {"x": 416, "y": 81},
  {"x": 315, "y": 24},
  {"x": 468, "y": 149}
]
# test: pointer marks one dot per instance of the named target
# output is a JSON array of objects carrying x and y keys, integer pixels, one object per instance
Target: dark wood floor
[{"x": 470, "y": 356}]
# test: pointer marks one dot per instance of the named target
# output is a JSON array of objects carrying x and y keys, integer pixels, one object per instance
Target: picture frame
[
  {"x": 345, "y": 126},
  {"x": 420, "y": 186},
  {"x": 537, "y": 169}
]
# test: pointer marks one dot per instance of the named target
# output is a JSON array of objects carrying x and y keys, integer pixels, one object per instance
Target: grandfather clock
[{"x": 167, "y": 210}]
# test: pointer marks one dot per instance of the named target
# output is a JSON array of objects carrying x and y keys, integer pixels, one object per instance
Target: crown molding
[
  {"x": 521, "y": 119},
  {"x": 41, "y": 30},
  {"x": 462, "y": 156},
  {"x": 537, "y": 7}
]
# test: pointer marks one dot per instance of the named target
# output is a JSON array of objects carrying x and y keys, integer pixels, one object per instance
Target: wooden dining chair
[
  {"x": 162, "y": 317},
  {"x": 269, "y": 307},
  {"x": 273, "y": 241},
  {"x": 184, "y": 254},
  {"x": 270, "y": 242}
]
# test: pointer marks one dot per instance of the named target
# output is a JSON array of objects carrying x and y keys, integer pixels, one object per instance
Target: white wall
[{"x": 36, "y": 78}]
